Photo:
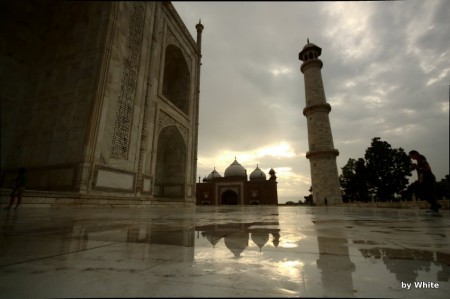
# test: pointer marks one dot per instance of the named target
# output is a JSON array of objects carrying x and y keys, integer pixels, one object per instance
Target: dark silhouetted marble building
[{"x": 99, "y": 101}]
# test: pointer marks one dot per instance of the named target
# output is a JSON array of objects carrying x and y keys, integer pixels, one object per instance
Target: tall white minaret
[
  {"x": 322, "y": 154},
  {"x": 199, "y": 28}
]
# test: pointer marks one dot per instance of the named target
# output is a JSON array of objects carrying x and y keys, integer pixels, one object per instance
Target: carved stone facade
[
  {"x": 166, "y": 120},
  {"x": 322, "y": 154},
  {"x": 124, "y": 112},
  {"x": 88, "y": 79}
]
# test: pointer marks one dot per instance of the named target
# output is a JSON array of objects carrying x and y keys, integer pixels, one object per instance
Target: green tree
[
  {"x": 354, "y": 181},
  {"x": 387, "y": 169}
]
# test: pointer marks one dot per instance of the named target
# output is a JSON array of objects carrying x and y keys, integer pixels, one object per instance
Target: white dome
[
  {"x": 257, "y": 174},
  {"x": 235, "y": 169},
  {"x": 214, "y": 174}
]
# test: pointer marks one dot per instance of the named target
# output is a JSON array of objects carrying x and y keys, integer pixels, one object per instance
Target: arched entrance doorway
[
  {"x": 170, "y": 164},
  {"x": 229, "y": 197}
]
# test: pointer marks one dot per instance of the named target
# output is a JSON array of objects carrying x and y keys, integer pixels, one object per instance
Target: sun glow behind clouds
[
  {"x": 280, "y": 70},
  {"x": 224, "y": 158},
  {"x": 281, "y": 157},
  {"x": 282, "y": 150},
  {"x": 250, "y": 157}
]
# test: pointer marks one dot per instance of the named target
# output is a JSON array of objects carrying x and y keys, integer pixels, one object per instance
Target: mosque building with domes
[{"x": 234, "y": 188}]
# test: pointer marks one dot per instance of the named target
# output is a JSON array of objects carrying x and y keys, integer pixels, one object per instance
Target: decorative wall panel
[
  {"x": 124, "y": 112},
  {"x": 166, "y": 120}
]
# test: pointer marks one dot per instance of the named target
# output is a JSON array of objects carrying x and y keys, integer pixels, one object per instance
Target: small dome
[
  {"x": 272, "y": 174},
  {"x": 260, "y": 238},
  {"x": 212, "y": 238},
  {"x": 308, "y": 49},
  {"x": 310, "y": 45},
  {"x": 236, "y": 242},
  {"x": 213, "y": 175},
  {"x": 257, "y": 174},
  {"x": 236, "y": 169}
]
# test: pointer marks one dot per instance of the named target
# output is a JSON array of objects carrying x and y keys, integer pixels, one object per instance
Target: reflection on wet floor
[
  {"x": 223, "y": 252},
  {"x": 236, "y": 236}
]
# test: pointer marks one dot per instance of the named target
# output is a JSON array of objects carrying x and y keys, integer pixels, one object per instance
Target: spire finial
[
  {"x": 199, "y": 21},
  {"x": 307, "y": 39}
]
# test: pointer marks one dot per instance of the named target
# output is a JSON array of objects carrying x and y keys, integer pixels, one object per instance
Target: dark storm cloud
[{"x": 386, "y": 74}]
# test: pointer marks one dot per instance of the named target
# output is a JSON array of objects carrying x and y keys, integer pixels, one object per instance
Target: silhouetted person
[
  {"x": 18, "y": 189},
  {"x": 426, "y": 179}
]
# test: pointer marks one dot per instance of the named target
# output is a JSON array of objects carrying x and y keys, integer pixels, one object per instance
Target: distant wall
[{"x": 402, "y": 204}]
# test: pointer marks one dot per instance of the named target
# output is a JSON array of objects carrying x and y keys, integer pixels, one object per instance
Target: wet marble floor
[{"x": 224, "y": 252}]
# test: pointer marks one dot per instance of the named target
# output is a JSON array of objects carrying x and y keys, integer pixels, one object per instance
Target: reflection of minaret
[
  {"x": 276, "y": 238},
  {"x": 321, "y": 154},
  {"x": 336, "y": 267}
]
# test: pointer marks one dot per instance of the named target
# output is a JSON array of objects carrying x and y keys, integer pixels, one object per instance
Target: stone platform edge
[{"x": 34, "y": 198}]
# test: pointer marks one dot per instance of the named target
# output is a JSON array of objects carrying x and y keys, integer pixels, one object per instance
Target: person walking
[
  {"x": 426, "y": 179},
  {"x": 18, "y": 189}
]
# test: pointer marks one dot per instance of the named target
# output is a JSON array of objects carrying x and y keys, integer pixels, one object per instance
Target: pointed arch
[
  {"x": 170, "y": 178},
  {"x": 229, "y": 197},
  {"x": 176, "y": 81}
]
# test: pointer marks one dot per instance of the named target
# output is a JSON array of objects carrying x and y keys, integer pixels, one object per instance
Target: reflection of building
[
  {"x": 336, "y": 266},
  {"x": 235, "y": 189},
  {"x": 399, "y": 261},
  {"x": 444, "y": 260},
  {"x": 237, "y": 235},
  {"x": 110, "y": 93},
  {"x": 182, "y": 237},
  {"x": 321, "y": 154}
]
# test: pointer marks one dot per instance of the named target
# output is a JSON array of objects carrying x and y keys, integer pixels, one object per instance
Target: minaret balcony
[
  {"x": 312, "y": 63},
  {"x": 324, "y": 107},
  {"x": 332, "y": 153}
]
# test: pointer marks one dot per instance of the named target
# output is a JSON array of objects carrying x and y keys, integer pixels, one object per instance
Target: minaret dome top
[
  {"x": 199, "y": 26},
  {"x": 310, "y": 51}
]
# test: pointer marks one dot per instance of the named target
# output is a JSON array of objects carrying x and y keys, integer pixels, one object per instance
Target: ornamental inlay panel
[
  {"x": 124, "y": 111},
  {"x": 166, "y": 120}
]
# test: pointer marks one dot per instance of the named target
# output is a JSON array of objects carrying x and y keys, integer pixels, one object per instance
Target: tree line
[{"x": 382, "y": 175}]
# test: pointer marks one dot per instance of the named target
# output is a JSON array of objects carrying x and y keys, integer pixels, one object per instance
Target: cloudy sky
[{"x": 386, "y": 74}]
